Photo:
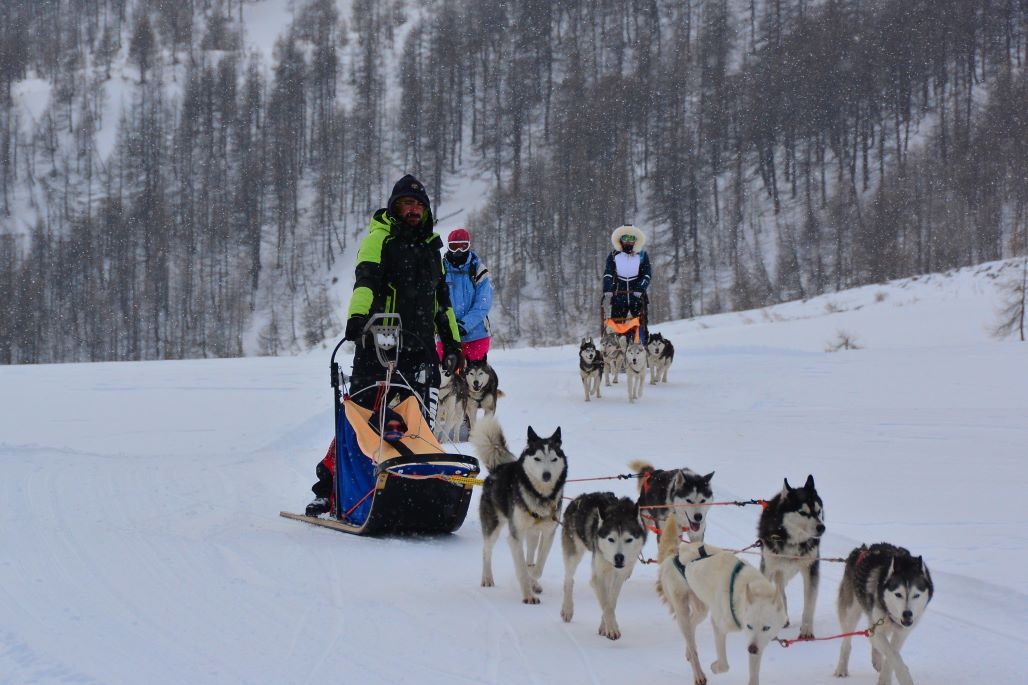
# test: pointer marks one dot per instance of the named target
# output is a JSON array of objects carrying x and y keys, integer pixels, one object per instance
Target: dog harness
[
  {"x": 681, "y": 567},
  {"x": 731, "y": 593},
  {"x": 731, "y": 582}
]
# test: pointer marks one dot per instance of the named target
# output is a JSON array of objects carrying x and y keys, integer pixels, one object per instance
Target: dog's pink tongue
[{"x": 695, "y": 525}]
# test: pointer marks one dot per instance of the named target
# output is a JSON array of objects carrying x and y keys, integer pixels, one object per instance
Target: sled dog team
[
  {"x": 617, "y": 353},
  {"x": 524, "y": 494}
]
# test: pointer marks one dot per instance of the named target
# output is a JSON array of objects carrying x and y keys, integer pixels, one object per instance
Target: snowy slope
[{"x": 141, "y": 541}]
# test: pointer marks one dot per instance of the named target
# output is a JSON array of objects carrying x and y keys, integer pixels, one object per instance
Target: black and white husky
[
  {"x": 483, "y": 389},
  {"x": 659, "y": 355},
  {"x": 789, "y": 531},
  {"x": 611, "y": 529},
  {"x": 682, "y": 491},
  {"x": 590, "y": 367},
  {"x": 523, "y": 493},
  {"x": 893, "y": 588}
]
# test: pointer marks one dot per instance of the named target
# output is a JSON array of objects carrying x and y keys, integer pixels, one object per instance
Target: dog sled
[
  {"x": 391, "y": 475},
  {"x": 629, "y": 327}
]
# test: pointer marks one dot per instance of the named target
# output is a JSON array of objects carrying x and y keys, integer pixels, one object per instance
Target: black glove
[
  {"x": 354, "y": 327},
  {"x": 453, "y": 360},
  {"x": 463, "y": 331}
]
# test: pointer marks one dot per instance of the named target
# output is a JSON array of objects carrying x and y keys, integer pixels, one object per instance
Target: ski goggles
[
  {"x": 629, "y": 238},
  {"x": 460, "y": 246}
]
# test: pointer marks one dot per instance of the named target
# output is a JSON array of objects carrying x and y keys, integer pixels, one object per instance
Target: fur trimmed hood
[{"x": 628, "y": 229}]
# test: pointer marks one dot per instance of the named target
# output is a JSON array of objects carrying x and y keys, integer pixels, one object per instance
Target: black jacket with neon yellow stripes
[{"x": 400, "y": 270}]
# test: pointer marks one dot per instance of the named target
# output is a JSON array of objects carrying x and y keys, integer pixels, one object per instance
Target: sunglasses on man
[{"x": 460, "y": 246}]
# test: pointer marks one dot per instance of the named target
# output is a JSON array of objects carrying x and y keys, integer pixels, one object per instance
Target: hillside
[
  {"x": 184, "y": 180},
  {"x": 139, "y": 506}
]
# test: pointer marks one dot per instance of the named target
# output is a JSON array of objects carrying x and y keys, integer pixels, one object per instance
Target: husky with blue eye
[
  {"x": 696, "y": 578},
  {"x": 892, "y": 588},
  {"x": 524, "y": 494},
  {"x": 789, "y": 531}
]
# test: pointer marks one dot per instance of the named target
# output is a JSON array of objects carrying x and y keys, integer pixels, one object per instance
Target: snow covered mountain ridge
[{"x": 190, "y": 179}]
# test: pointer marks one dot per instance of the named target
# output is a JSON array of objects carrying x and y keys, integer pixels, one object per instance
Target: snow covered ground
[{"x": 141, "y": 541}]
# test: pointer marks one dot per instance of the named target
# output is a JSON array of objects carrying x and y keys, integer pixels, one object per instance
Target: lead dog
[
  {"x": 682, "y": 491},
  {"x": 702, "y": 578},
  {"x": 611, "y": 529},
  {"x": 893, "y": 588},
  {"x": 789, "y": 531},
  {"x": 635, "y": 370},
  {"x": 590, "y": 368},
  {"x": 522, "y": 493},
  {"x": 659, "y": 355}
]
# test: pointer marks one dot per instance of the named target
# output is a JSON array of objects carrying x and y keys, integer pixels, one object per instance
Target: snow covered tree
[{"x": 1012, "y": 313}]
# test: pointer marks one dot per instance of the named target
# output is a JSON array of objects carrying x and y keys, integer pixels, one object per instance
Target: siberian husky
[
  {"x": 893, "y": 589},
  {"x": 659, "y": 355},
  {"x": 682, "y": 491},
  {"x": 453, "y": 406},
  {"x": 611, "y": 529},
  {"x": 635, "y": 370},
  {"x": 789, "y": 531},
  {"x": 613, "y": 347},
  {"x": 702, "y": 578},
  {"x": 524, "y": 493},
  {"x": 483, "y": 389},
  {"x": 590, "y": 368}
]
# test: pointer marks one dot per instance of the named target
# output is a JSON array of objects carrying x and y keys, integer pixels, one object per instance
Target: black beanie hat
[{"x": 408, "y": 186}]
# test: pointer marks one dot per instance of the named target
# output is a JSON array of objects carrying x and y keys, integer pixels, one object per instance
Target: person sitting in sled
[
  {"x": 471, "y": 294},
  {"x": 399, "y": 270},
  {"x": 627, "y": 276}
]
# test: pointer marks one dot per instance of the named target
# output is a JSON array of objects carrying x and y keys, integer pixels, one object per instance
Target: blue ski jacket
[{"x": 471, "y": 296}]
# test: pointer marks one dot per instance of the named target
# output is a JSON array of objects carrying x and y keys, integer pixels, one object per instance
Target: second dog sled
[
  {"x": 391, "y": 475},
  {"x": 628, "y": 327}
]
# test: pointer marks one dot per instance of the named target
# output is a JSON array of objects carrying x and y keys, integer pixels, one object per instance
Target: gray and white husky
[
  {"x": 695, "y": 578},
  {"x": 635, "y": 370},
  {"x": 683, "y": 492},
  {"x": 483, "y": 388},
  {"x": 789, "y": 531},
  {"x": 453, "y": 406},
  {"x": 523, "y": 493},
  {"x": 613, "y": 347},
  {"x": 611, "y": 529},
  {"x": 590, "y": 367},
  {"x": 893, "y": 588},
  {"x": 659, "y": 355}
]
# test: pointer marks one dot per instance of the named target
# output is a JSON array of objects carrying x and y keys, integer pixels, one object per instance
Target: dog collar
[{"x": 731, "y": 593}]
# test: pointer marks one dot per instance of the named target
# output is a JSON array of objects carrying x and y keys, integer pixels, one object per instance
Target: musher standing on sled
[
  {"x": 399, "y": 270},
  {"x": 471, "y": 294},
  {"x": 627, "y": 276}
]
